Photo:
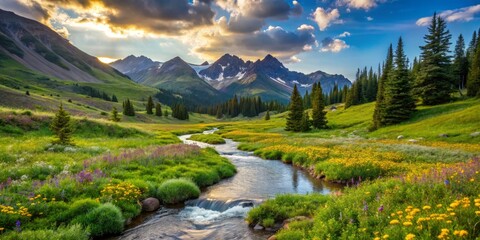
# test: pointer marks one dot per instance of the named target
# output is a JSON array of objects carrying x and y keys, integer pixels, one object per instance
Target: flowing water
[{"x": 220, "y": 211}]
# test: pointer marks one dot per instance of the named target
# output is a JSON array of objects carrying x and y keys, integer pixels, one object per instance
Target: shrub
[
  {"x": 178, "y": 190},
  {"x": 104, "y": 220},
  {"x": 78, "y": 208}
]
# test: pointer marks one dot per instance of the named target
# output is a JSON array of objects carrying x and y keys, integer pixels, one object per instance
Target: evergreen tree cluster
[
  {"x": 472, "y": 56},
  {"x": 95, "y": 93},
  {"x": 246, "y": 106},
  {"x": 179, "y": 111},
  {"x": 399, "y": 102},
  {"x": 437, "y": 74},
  {"x": 128, "y": 109},
  {"x": 364, "y": 89},
  {"x": 319, "y": 119},
  {"x": 336, "y": 95},
  {"x": 434, "y": 83},
  {"x": 395, "y": 100}
]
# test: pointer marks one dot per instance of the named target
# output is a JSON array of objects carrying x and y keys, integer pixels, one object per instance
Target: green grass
[
  {"x": 412, "y": 174},
  {"x": 74, "y": 232},
  {"x": 208, "y": 138},
  {"x": 106, "y": 157},
  {"x": 178, "y": 190}
]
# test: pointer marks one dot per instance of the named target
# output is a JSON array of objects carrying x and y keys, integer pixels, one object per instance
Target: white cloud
[
  {"x": 359, "y": 4},
  {"x": 457, "y": 15},
  {"x": 369, "y": 18},
  {"x": 333, "y": 45},
  {"x": 325, "y": 18},
  {"x": 305, "y": 27},
  {"x": 344, "y": 34},
  {"x": 292, "y": 59}
]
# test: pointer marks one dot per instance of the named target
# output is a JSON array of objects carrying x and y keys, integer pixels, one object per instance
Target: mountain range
[
  {"x": 32, "y": 54},
  {"x": 228, "y": 76}
]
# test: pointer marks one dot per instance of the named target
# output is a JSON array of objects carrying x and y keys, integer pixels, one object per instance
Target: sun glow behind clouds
[{"x": 107, "y": 60}]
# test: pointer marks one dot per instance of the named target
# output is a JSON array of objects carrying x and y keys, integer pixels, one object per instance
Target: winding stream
[{"x": 219, "y": 212}]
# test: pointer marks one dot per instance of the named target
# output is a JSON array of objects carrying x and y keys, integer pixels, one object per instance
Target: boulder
[
  {"x": 246, "y": 204},
  {"x": 475, "y": 134},
  {"x": 258, "y": 227},
  {"x": 150, "y": 204},
  {"x": 443, "y": 135},
  {"x": 400, "y": 137},
  {"x": 412, "y": 141}
]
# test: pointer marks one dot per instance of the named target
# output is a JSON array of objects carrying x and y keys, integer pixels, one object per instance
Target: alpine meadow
[{"x": 239, "y": 119}]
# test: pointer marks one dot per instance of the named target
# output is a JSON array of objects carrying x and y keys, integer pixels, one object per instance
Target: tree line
[
  {"x": 299, "y": 120},
  {"x": 431, "y": 79},
  {"x": 245, "y": 106},
  {"x": 95, "y": 93},
  {"x": 398, "y": 86}
]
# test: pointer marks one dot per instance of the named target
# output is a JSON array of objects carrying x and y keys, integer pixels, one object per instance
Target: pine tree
[
  {"x": 294, "y": 118},
  {"x": 379, "y": 112},
  {"x": 319, "y": 119},
  {"x": 166, "y": 113},
  {"x": 150, "y": 105},
  {"x": 471, "y": 47},
  {"x": 219, "y": 114},
  {"x": 267, "y": 115},
  {"x": 307, "y": 101},
  {"x": 128, "y": 109},
  {"x": 305, "y": 122},
  {"x": 62, "y": 127},
  {"x": 114, "y": 98},
  {"x": 460, "y": 63},
  {"x": 158, "y": 110},
  {"x": 399, "y": 103},
  {"x": 27, "y": 93},
  {"x": 473, "y": 84},
  {"x": 433, "y": 83},
  {"x": 115, "y": 116}
]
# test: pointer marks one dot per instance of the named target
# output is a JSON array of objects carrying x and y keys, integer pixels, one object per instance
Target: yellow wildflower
[
  {"x": 394, "y": 222},
  {"x": 410, "y": 236},
  {"x": 407, "y": 224}
]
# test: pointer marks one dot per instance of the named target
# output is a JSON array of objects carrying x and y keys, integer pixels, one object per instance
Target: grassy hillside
[
  {"x": 47, "y": 92},
  {"x": 44, "y": 186},
  {"x": 410, "y": 187}
]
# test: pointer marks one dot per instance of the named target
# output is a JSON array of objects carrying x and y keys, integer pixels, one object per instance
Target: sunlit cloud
[
  {"x": 325, "y": 18},
  {"x": 360, "y": 4},
  {"x": 107, "y": 59},
  {"x": 465, "y": 14},
  {"x": 333, "y": 45},
  {"x": 274, "y": 40}
]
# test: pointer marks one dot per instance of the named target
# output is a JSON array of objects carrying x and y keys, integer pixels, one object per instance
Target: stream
[{"x": 220, "y": 210}]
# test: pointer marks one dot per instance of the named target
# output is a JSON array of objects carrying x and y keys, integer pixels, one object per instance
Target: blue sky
[{"x": 335, "y": 36}]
